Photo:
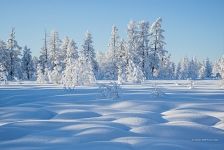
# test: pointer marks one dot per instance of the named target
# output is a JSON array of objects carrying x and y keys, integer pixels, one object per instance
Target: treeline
[{"x": 141, "y": 55}]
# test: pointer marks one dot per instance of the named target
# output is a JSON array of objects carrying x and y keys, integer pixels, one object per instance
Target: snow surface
[{"x": 34, "y": 116}]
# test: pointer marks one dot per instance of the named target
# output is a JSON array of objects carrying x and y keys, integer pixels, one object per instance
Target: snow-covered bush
[
  {"x": 156, "y": 91},
  {"x": 191, "y": 84},
  {"x": 110, "y": 91}
]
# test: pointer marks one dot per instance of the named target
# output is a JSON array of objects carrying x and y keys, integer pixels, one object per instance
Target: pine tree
[
  {"x": 86, "y": 73},
  {"x": 64, "y": 47},
  {"x": 132, "y": 43},
  {"x": 44, "y": 56},
  {"x": 27, "y": 64},
  {"x": 35, "y": 64},
  {"x": 56, "y": 62},
  {"x": 184, "y": 68},
  {"x": 208, "y": 68},
  {"x": 89, "y": 53},
  {"x": 4, "y": 55},
  {"x": 167, "y": 69},
  {"x": 178, "y": 71},
  {"x": 54, "y": 50},
  {"x": 202, "y": 72},
  {"x": 193, "y": 69},
  {"x": 70, "y": 74},
  {"x": 157, "y": 51},
  {"x": 134, "y": 72},
  {"x": 122, "y": 62},
  {"x": 14, "y": 57},
  {"x": 218, "y": 68},
  {"x": 143, "y": 49},
  {"x": 112, "y": 54}
]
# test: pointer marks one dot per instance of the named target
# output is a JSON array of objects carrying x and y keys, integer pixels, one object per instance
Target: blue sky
[{"x": 192, "y": 27}]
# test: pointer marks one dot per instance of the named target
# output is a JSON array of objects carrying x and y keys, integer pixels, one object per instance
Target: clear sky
[{"x": 192, "y": 27}]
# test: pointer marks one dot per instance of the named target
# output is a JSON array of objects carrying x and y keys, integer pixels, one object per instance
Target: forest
[{"x": 142, "y": 55}]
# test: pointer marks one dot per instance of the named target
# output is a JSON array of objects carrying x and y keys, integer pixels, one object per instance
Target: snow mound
[
  {"x": 180, "y": 130},
  {"x": 103, "y": 145},
  {"x": 122, "y": 105},
  {"x": 77, "y": 115},
  {"x": 181, "y": 115},
  {"x": 12, "y": 133},
  {"x": 134, "y": 121},
  {"x": 101, "y": 134},
  {"x": 26, "y": 113}
]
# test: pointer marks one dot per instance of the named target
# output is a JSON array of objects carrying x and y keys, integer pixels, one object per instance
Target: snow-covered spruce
[
  {"x": 27, "y": 65},
  {"x": 13, "y": 60}
]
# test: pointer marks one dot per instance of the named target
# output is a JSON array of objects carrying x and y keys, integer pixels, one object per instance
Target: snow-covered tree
[
  {"x": 132, "y": 43},
  {"x": 56, "y": 75},
  {"x": 55, "y": 57},
  {"x": 14, "y": 57},
  {"x": 208, "y": 68},
  {"x": 167, "y": 69},
  {"x": 143, "y": 47},
  {"x": 4, "y": 55},
  {"x": 40, "y": 75},
  {"x": 79, "y": 73},
  {"x": 157, "y": 51},
  {"x": 27, "y": 64},
  {"x": 70, "y": 74},
  {"x": 3, "y": 74},
  {"x": 64, "y": 47},
  {"x": 205, "y": 69},
  {"x": 44, "y": 55},
  {"x": 218, "y": 69},
  {"x": 193, "y": 68},
  {"x": 88, "y": 52},
  {"x": 86, "y": 72},
  {"x": 35, "y": 64},
  {"x": 134, "y": 73},
  {"x": 202, "y": 72},
  {"x": 112, "y": 54},
  {"x": 54, "y": 50},
  {"x": 72, "y": 52},
  {"x": 178, "y": 71},
  {"x": 102, "y": 64},
  {"x": 79, "y": 69},
  {"x": 122, "y": 62},
  {"x": 183, "y": 71}
]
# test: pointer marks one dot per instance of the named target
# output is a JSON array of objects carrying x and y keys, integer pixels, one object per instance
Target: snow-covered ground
[{"x": 172, "y": 117}]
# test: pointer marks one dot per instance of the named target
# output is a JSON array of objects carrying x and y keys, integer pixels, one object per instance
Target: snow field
[{"x": 34, "y": 116}]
